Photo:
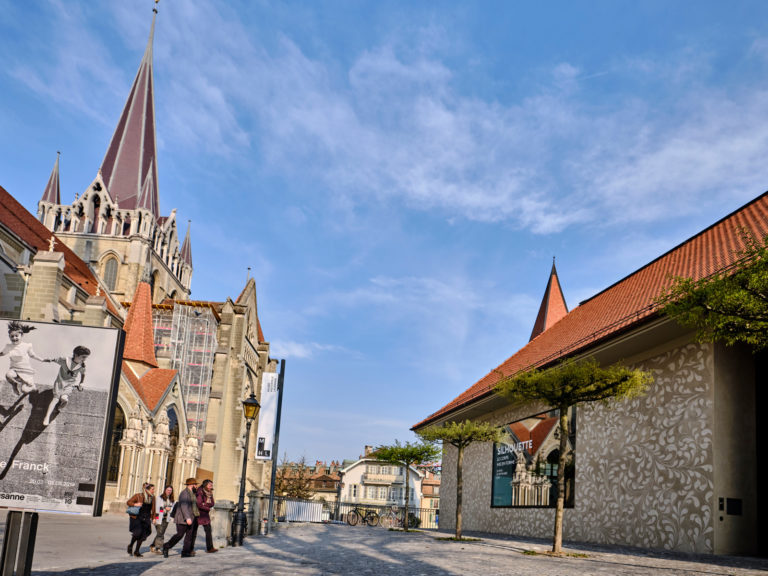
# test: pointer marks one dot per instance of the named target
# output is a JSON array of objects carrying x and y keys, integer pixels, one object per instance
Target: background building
[{"x": 676, "y": 468}]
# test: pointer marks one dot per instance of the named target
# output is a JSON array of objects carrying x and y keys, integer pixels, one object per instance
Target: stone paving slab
[{"x": 80, "y": 546}]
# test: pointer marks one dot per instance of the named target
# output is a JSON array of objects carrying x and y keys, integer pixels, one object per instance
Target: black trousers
[{"x": 186, "y": 531}]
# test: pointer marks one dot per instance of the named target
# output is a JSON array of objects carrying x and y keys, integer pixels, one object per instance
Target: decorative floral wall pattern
[{"x": 644, "y": 467}]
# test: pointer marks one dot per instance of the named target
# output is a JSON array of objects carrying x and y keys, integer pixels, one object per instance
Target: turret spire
[
  {"x": 186, "y": 248},
  {"x": 52, "y": 191},
  {"x": 553, "y": 306},
  {"x": 129, "y": 169}
]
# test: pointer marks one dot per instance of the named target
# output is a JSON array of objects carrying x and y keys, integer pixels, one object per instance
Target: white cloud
[{"x": 292, "y": 349}]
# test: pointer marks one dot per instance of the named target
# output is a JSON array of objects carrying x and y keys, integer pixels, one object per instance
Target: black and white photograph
[{"x": 57, "y": 383}]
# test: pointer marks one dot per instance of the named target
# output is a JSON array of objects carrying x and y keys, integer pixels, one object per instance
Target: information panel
[
  {"x": 58, "y": 384},
  {"x": 525, "y": 462}
]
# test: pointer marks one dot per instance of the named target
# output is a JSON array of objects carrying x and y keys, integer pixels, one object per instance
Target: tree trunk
[
  {"x": 407, "y": 497},
  {"x": 557, "y": 545},
  {"x": 459, "y": 490}
]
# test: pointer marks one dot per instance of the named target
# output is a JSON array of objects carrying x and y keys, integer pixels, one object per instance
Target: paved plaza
[{"x": 75, "y": 546}]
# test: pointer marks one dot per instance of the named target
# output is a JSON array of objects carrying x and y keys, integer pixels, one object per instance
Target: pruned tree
[
  {"x": 461, "y": 435},
  {"x": 729, "y": 306},
  {"x": 293, "y": 479},
  {"x": 563, "y": 386},
  {"x": 408, "y": 454}
]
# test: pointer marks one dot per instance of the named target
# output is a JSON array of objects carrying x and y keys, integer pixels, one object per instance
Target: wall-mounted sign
[{"x": 525, "y": 463}]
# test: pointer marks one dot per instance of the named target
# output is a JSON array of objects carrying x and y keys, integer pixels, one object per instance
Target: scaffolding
[{"x": 185, "y": 337}]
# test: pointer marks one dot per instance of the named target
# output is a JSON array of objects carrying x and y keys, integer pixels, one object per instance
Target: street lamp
[{"x": 239, "y": 522}]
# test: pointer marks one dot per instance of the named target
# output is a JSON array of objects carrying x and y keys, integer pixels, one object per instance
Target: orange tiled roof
[
  {"x": 139, "y": 334},
  {"x": 553, "y": 306},
  {"x": 152, "y": 385},
  {"x": 626, "y": 303},
  {"x": 30, "y": 230}
]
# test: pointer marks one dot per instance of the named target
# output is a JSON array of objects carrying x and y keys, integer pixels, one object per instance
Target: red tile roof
[
  {"x": 152, "y": 385},
  {"x": 139, "y": 334},
  {"x": 553, "y": 306},
  {"x": 19, "y": 221},
  {"x": 626, "y": 303}
]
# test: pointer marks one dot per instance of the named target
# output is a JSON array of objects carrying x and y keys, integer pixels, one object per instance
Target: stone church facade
[{"x": 111, "y": 259}]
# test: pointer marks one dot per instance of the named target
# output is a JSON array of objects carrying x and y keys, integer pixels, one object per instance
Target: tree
[
  {"x": 293, "y": 479},
  {"x": 408, "y": 454},
  {"x": 563, "y": 386},
  {"x": 461, "y": 435},
  {"x": 730, "y": 305}
]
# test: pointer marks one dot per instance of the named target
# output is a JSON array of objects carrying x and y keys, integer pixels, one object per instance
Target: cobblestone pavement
[{"x": 75, "y": 546}]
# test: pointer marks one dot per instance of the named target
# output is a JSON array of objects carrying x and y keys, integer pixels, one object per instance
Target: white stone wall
[{"x": 644, "y": 467}]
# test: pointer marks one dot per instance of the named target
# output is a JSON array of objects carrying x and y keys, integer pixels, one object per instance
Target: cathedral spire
[
  {"x": 186, "y": 248},
  {"x": 553, "y": 306},
  {"x": 52, "y": 191},
  {"x": 129, "y": 168}
]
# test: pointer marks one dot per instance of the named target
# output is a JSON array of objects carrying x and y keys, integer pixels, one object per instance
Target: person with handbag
[
  {"x": 186, "y": 521},
  {"x": 205, "y": 504},
  {"x": 140, "y": 524},
  {"x": 163, "y": 505}
]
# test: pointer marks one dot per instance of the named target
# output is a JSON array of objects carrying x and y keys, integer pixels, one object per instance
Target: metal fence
[{"x": 297, "y": 510}]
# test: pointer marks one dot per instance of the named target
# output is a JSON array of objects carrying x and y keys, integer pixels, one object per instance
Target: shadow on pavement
[{"x": 117, "y": 569}]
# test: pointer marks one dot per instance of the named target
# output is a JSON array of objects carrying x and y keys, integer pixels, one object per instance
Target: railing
[{"x": 297, "y": 510}]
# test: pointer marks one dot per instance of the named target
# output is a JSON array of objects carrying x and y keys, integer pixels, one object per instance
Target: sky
[{"x": 399, "y": 175}]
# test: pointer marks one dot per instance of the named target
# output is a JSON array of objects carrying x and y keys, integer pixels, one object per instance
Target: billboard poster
[
  {"x": 58, "y": 384},
  {"x": 265, "y": 436},
  {"x": 525, "y": 462}
]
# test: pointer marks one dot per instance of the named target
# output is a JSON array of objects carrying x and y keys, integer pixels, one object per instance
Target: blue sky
[{"x": 399, "y": 175}]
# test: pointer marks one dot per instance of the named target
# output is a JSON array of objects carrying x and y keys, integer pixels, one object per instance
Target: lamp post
[{"x": 239, "y": 521}]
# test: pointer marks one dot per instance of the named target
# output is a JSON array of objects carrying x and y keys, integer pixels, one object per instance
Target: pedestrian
[
  {"x": 205, "y": 504},
  {"x": 66, "y": 380},
  {"x": 186, "y": 521},
  {"x": 140, "y": 525},
  {"x": 163, "y": 505}
]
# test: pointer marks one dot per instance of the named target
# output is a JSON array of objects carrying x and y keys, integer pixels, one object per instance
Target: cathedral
[{"x": 111, "y": 259}]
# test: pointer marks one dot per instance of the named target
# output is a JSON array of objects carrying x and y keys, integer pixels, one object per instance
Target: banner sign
[
  {"x": 265, "y": 436},
  {"x": 58, "y": 385}
]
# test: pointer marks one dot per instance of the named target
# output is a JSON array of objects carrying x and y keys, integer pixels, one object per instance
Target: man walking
[{"x": 186, "y": 521}]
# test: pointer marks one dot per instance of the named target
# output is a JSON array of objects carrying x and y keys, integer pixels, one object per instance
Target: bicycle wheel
[
  {"x": 372, "y": 518},
  {"x": 387, "y": 520},
  {"x": 352, "y": 518}
]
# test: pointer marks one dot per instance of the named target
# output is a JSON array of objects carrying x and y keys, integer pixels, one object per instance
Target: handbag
[{"x": 133, "y": 510}]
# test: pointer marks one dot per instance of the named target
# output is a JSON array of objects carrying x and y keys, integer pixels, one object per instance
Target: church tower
[
  {"x": 115, "y": 224},
  {"x": 553, "y": 306}
]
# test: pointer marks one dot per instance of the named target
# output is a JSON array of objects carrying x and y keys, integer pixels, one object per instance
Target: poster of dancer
[{"x": 58, "y": 384}]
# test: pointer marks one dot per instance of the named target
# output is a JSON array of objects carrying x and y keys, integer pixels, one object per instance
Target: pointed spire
[
  {"x": 139, "y": 334},
  {"x": 553, "y": 306},
  {"x": 186, "y": 247},
  {"x": 52, "y": 192},
  {"x": 129, "y": 169}
]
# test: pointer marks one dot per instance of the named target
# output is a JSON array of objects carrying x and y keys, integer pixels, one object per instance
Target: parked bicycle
[
  {"x": 369, "y": 517},
  {"x": 392, "y": 518}
]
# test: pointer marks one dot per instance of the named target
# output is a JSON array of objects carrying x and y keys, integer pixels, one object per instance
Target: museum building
[{"x": 675, "y": 469}]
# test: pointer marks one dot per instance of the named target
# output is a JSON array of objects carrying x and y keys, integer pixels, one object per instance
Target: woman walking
[
  {"x": 205, "y": 504},
  {"x": 163, "y": 506},
  {"x": 140, "y": 525}
]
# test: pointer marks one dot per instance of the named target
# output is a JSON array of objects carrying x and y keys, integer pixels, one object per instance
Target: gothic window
[
  {"x": 113, "y": 464},
  {"x": 110, "y": 273},
  {"x": 173, "y": 431},
  {"x": 96, "y": 210}
]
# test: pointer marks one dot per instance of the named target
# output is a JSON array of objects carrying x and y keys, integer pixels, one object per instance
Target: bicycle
[
  {"x": 369, "y": 517},
  {"x": 392, "y": 518}
]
